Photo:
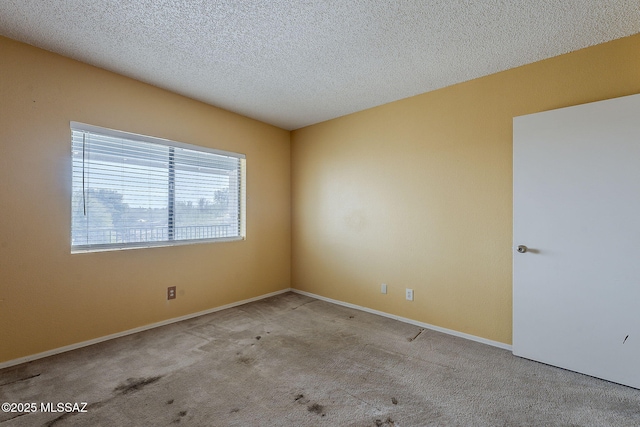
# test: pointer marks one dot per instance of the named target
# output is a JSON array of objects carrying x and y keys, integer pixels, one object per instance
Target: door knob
[{"x": 522, "y": 249}]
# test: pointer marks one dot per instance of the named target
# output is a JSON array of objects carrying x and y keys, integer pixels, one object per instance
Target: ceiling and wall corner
[{"x": 292, "y": 64}]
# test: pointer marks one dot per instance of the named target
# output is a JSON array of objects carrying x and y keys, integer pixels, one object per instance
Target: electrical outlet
[
  {"x": 409, "y": 294},
  {"x": 383, "y": 288},
  {"x": 171, "y": 292}
]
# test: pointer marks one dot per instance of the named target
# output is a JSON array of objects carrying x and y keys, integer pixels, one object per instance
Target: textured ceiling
[{"x": 293, "y": 63}]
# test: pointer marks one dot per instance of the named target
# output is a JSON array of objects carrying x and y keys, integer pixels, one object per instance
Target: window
[{"x": 133, "y": 191}]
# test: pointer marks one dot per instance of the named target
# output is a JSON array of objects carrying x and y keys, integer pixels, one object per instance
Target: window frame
[{"x": 101, "y": 247}]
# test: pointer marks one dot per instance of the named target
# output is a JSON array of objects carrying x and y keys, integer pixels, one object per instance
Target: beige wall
[
  {"x": 417, "y": 193},
  {"x": 50, "y": 298}
]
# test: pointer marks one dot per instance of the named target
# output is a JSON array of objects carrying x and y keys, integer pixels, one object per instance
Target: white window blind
[{"x": 137, "y": 191}]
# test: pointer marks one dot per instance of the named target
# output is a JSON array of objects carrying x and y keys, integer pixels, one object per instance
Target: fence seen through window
[{"x": 131, "y": 191}]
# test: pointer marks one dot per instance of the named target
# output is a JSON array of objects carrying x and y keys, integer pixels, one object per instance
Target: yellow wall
[
  {"x": 50, "y": 298},
  {"x": 418, "y": 193}
]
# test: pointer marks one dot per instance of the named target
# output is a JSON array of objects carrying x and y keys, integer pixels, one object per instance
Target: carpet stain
[
  {"x": 177, "y": 419},
  {"x": 135, "y": 384},
  {"x": 90, "y": 408},
  {"x": 304, "y": 303},
  {"x": 66, "y": 415},
  {"x": 13, "y": 418},
  {"x": 169, "y": 402},
  {"x": 301, "y": 399},
  {"x": 234, "y": 410},
  {"x": 58, "y": 419},
  {"x": 388, "y": 422},
  {"x": 417, "y": 335},
  {"x": 258, "y": 337},
  {"x": 394, "y": 400},
  {"x": 316, "y": 409},
  {"x": 21, "y": 379},
  {"x": 246, "y": 360}
]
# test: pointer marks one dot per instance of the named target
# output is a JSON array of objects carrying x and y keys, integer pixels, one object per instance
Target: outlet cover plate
[{"x": 409, "y": 294}]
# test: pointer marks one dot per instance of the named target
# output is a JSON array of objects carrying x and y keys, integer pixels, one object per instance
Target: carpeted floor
[{"x": 292, "y": 360}]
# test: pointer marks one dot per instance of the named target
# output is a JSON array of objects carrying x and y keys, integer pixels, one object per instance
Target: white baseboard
[
  {"x": 133, "y": 331},
  {"x": 410, "y": 321},
  {"x": 66, "y": 348}
]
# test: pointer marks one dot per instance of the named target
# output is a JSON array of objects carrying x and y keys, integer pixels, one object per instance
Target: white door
[{"x": 576, "y": 206}]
